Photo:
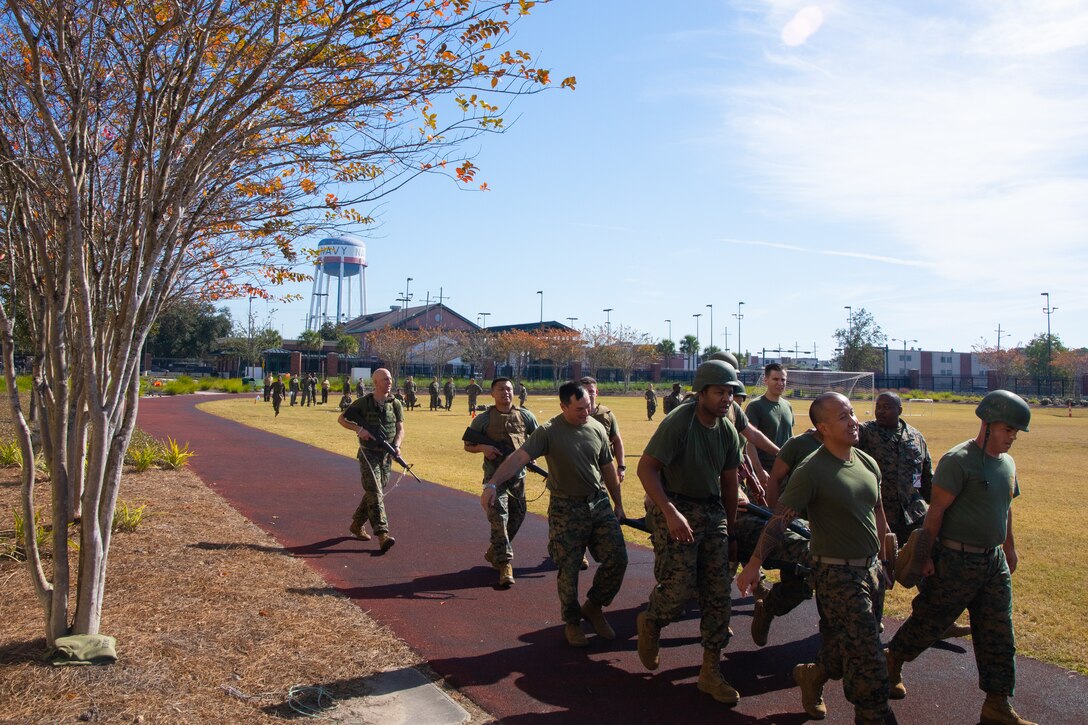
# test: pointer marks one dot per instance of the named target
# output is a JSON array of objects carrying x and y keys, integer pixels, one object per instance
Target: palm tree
[{"x": 690, "y": 347}]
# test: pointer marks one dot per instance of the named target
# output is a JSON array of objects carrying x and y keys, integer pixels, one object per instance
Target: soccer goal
[{"x": 860, "y": 388}]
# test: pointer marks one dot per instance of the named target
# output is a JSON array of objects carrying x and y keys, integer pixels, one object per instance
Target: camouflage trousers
[
  {"x": 981, "y": 584},
  {"x": 793, "y": 587},
  {"x": 374, "y": 471},
  {"x": 848, "y": 598},
  {"x": 506, "y": 517},
  {"x": 574, "y": 526},
  {"x": 700, "y": 569}
]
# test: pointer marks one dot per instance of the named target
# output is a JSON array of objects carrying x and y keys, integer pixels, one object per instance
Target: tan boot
[
  {"x": 385, "y": 541},
  {"x": 896, "y": 689},
  {"x": 997, "y": 711},
  {"x": 593, "y": 613},
  {"x": 956, "y": 630},
  {"x": 575, "y": 636},
  {"x": 358, "y": 532},
  {"x": 506, "y": 574},
  {"x": 811, "y": 679},
  {"x": 489, "y": 556},
  {"x": 761, "y": 623},
  {"x": 649, "y": 641},
  {"x": 711, "y": 681}
]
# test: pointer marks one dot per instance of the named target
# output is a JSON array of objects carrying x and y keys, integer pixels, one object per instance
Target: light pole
[
  {"x": 739, "y": 317},
  {"x": 711, "y": 325},
  {"x": 608, "y": 320},
  {"x": 1048, "y": 309},
  {"x": 849, "y": 319},
  {"x": 905, "y": 342},
  {"x": 407, "y": 297},
  {"x": 484, "y": 316},
  {"x": 999, "y": 332},
  {"x": 571, "y": 321},
  {"x": 541, "y": 293},
  {"x": 251, "y": 350},
  {"x": 670, "y": 329},
  {"x": 698, "y": 344}
]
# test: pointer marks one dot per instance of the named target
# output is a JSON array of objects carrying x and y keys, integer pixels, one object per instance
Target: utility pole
[
  {"x": 739, "y": 316},
  {"x": 726, "y": 332},
  {"x": 1049, "y": 376},
  {"x": 711, "y": 325},
  {"x": 541, "y": 293},
  {"x": 998, "y": 331}
]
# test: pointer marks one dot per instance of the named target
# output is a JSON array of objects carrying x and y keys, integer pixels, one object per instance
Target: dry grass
[
  {"x": 1051, "y": 597},
  {"x": 214, "y": 623}
]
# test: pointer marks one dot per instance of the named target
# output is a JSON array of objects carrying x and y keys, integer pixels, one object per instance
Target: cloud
[
  {"x": 832, "y": 252},
  {"x": 958, "y": 133},
  {"x": 802, "y": 25}
]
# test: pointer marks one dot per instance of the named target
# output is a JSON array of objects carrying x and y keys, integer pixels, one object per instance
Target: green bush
[
  {"x": 142, "y": 456},
  {"x": 175, "y": 456},
  {"x": 17, "y": 550},
  {"x": 11, "y": 455},
  {"x": 127, "y": 518},
  {"x": 183, "y": 385}
]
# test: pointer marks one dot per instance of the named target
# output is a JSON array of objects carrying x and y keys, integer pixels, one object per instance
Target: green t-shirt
[
  {"x": 380, "y": 415},
  {"x": 774, "y": 420},
  {"x": 984, "y": 488},
  {"x": 795, "y": 450},
  {"x": 694, "y": 456},
  {"x": 839, "y": 497},
  {"x": 575, "y": 455}
]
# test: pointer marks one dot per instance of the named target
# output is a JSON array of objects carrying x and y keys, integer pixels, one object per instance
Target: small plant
[
  {"x": 127, "y": 518},
  {"x": 175, "y": 456},
  {"x": 41, "y": 535},
  {"x": 11, "y": 455},
  {"x": 142, "y": 456}
]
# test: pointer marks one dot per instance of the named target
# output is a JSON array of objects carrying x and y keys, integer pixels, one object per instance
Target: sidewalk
[{"x": 505, "y": 649}]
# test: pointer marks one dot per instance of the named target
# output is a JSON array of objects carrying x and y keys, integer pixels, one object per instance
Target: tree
[
  {"x": 515, "y": 348},
  {"x": 561, "y": 347},
  {"x": 310, "y": 340},
  {"x": 347, "y": 344},
  {"x": 392, "y": 346},
  {"x": 1036, "y": 355},
  {"x": 666, "y": 349},
  {"x": 250, "y": 349},
  {"x": 632, "y": 350},
  {"x": 861, "y": 344},
  {"x": 599, "y": 350},
  {"x": 437, "y": 346},
  {"x": 690, "y": 346},
  {"x": 152, "y": 149},
  {"x": 1003, "y": 363},
  {"x": 329, "y": 330},
  {"x": 188, "y": 328},
  {"x": 477, "y": 348},
  {"x": 1073, "y": 364}
]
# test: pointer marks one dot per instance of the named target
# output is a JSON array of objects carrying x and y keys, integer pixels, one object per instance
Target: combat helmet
[
  {"x": 1001, "y": 406},
  {"x": 713, "y": 372},
  {"x": 726, "y": 357}
]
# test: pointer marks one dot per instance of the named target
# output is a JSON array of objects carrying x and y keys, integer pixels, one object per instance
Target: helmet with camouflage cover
[
  {"x": 726, "y": 357},
  {"x": 713, "y": 372},
  {"x": 1001, "y": 406}
]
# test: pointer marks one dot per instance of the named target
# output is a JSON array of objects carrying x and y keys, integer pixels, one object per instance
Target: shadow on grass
[{"x": 28, "y": 651}]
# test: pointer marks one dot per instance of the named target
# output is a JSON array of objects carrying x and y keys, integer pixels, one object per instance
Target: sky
[{"x": 925, "y": 161}]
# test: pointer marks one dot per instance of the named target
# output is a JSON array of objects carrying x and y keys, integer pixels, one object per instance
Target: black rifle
[
  {"x": 504, "y": 448},
  {"x": 379, "y": 436},
  {"x": 755, "y": 509}
]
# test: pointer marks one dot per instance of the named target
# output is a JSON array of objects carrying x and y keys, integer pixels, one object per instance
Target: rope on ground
[{"x": 320, "y": 699}]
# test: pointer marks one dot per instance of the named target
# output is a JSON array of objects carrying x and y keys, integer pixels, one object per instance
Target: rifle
[
  {"x": 766, "y": 514},
  {"x": 379, "y": 435},
  {"x": 505, "y": 448}
]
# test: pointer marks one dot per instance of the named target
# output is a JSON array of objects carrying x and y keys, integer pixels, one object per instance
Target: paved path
[{"x": 505, "y": 649}]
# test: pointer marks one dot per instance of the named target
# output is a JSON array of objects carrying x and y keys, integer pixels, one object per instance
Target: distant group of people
[
  {"x": 278, "y": 387},
  {"x": 844, "y": 498}
]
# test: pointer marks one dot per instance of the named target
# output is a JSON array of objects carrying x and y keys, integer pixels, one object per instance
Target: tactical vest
[
  {"x": 602, "y": 416},
  {"x": 506, "y": 426}
]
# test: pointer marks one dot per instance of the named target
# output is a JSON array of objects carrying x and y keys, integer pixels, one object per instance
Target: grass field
[{"x": 1050, "y": 518}]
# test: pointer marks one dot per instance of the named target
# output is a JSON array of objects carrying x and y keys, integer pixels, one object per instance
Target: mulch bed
[{"x": 214, "y": 623}]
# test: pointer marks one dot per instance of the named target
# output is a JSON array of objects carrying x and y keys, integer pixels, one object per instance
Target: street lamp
[
  {"x": 849, "y": 319},
  {"x": 698, "y": 345},
  {"x": 670, "y": 329},
  {"x": 905, "y": 342},
  {"x": 541, "y": 293},
  {"x": 711, "y": 325},
  {"x": 608, "y": 320},
  {"x": 1048, "y": 309},
  {"x": 739, "y": 317},
  {"x": 407, "y": 297}
]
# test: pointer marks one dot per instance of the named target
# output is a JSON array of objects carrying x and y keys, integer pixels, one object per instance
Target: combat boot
[
  {"x": 593, "y": 613},
  {"x": 385, "y": 541},
  {"x": 490, "y": 557},
  {"x": 358, "y": 532},
  {"x": 956, "y": 630},
  {"x": 811, "y": 679},
  {"x": 896, "y": 689},
  {"x": 761, "y": 622},
  {"x": 711, "y": 681},
  {"x": 575, "y": 636},
  {"x": 997, "y": 711},
  {"x": 649, "y": 641},
  {"x": 506, "y": 574}
]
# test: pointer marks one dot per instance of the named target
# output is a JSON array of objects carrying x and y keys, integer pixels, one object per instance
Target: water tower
[{"x": 342, "y": 258}]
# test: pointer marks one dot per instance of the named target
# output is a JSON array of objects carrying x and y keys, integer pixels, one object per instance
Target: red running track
[{"x": 505, "y": 649}]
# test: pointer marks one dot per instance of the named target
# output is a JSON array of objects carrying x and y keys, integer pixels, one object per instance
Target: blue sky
[{"x": 924, "y": 160}]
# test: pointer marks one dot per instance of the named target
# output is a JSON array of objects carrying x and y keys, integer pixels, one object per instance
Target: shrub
[
  {"x": 143, "y": 456},
  {"x": 175, "y": 456},
  {"x": 11, "y": 455},
  {"x": 127, "y": 518},
  {"x": 17, "y": 550},
  {"x": 180, "y": 386}
]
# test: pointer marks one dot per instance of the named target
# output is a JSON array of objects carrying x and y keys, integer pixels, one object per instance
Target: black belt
[
  {"x": 693, "y": 499},
  {"x": 578, "y": 499}
]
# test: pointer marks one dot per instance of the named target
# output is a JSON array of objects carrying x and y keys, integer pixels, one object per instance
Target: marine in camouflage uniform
[
  {"x": 673, "y": 399},
  {"x": 689, "y": 471},
  {"x": 523, "y": 394},
  {"x": 473, "y": 390},
  {"x": 905, "y": 466},
  {"x": 449, "y": 391},
  {"x": 581, "y": 478},
  {"x": 377, "y": 412},
  {"x": 503, "y": 501},
  {"x": 968, "y": 554},
  {"x": 434, "y": 390},
  {"x": 839, "y": 487},
  {"x": 651, "y": 401}
]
